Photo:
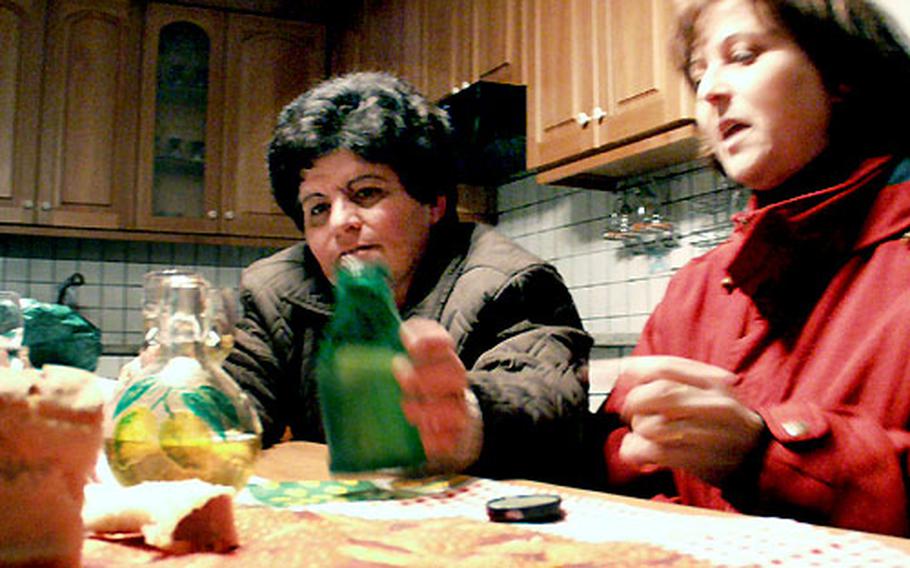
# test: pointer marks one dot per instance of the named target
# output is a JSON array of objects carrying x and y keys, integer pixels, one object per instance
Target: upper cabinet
[
  {"x": 470, "y": 40},
  {"x": 83, "y": 110},
  {"x": 380, "y": 35},
  {"x": 441, "y": 46},
  {"x": 212, "y": 86},
  {"x": 21, "y": 33},
  {"x": 181, "y": 131},
  {"x": 269, "y": 63},
  {"x": 132, "y": 117},
  {"x": 603, "y": 96}
]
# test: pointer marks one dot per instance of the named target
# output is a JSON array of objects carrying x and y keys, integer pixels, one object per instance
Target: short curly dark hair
[{"x": 375, "y": 115}]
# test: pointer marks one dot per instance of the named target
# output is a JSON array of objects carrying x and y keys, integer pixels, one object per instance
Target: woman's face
[
  {"x": 760, "y": 102},
  {"x": 352, "y": 207}
]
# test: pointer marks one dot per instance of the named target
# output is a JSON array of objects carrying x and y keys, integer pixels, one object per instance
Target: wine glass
[{"x": 12, "y": 329}]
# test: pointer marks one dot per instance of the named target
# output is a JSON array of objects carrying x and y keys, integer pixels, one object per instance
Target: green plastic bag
[
  {"x": 56, "y": 334},
  {"x": 359, "y": 396}
]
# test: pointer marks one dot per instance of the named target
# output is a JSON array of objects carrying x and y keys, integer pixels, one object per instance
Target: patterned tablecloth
[{"x": 266, "y": 510}]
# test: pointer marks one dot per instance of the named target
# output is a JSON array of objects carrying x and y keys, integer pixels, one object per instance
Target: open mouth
[
  {"x": 361, "y": 251},
  {"x": 730, "y": 128}
]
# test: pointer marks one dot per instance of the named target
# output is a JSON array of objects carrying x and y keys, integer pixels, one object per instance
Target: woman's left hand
[
  {"x": 435, "y": 395},
  {"x": 683, "y": 414}
]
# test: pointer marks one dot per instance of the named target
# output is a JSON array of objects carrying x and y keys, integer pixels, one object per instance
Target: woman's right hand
[{"x": 683, "y": 414}]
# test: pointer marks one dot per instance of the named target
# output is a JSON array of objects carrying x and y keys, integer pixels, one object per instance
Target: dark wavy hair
[
  {"x": 860, "y": 52},
  {"x": 375, "y": 115}
]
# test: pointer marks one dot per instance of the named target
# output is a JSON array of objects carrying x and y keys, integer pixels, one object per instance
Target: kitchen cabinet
[
  {"x": 212, "y": 86},
  {"x": 470, "y": 40},
  {"x": 440, "y": 46},
  {"x": 381, "y": 35},
  {"x": 21, "y": 32},
  {"x": 269, "y": 63},
  {"x": 602, "y": 94},
  {"x": 181, "y": 132},
  {"x": 447, "y": 46},
  {"x": 83, "y": 110}
]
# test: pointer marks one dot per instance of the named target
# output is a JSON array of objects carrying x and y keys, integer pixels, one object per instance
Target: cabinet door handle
[
  {"x": 229, "y": 215},
  {"x": 598, "y": 113},
  {"x": 212, "y": 214},
  {"x": 45, "y": 205},
  {"x": 28, "y": 204},
  {"x": 582, "y": 119}
]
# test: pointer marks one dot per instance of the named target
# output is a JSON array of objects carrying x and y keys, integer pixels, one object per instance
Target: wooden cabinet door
[
  {"x": 498, "y": 48},
  {"x": 180, "y": 121},
  {"x": 88, "y": 125},
  {"x": 563, "y": 67},
  {"x": 380, "y": 35},
  {"x": 439, "y": 46},
  {"x": 470, "y": 40},
  {"x": 640, "y": 90},
  {"x": 270, "y": 62},
  {"x": 21, "y": 26},
  {"x": 601, "y": 79}
]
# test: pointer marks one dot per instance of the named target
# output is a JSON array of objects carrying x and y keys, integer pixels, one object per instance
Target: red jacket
[{"x": 809, "y": 304}]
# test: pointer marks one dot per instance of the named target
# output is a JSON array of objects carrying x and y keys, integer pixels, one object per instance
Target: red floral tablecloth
[{"x": 291, "y": 524}]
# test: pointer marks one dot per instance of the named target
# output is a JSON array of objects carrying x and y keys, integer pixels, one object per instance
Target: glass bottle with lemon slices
[{"x": 181, "y": 416}]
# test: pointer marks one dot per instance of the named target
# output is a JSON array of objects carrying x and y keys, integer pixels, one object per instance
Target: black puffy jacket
[{"x": 515, "y": 328}]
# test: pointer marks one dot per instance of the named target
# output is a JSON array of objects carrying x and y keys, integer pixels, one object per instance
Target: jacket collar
[
  {"x": 442, "y": 264},
  {"x": 784, "y": 255},
  {"x": 435, "y": 277},
  {"x": 314, "y": 292}
]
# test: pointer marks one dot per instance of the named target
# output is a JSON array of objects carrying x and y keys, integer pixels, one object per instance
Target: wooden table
[
  {"x": 277, "y": 526},
  {"x": 294, "y": 461}
]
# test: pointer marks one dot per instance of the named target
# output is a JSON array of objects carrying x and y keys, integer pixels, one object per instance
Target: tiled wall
[
  {"x": 113, "y": 270},
  {"x": 615, "y": 286}
]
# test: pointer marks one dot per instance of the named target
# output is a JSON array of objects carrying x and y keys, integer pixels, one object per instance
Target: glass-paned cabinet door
[
  {"x": 178, "y": 175},
  {"x": 181, "y": 125}
]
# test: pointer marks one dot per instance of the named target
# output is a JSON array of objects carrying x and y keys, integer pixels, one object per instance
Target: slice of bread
[
  {"x": 50, "y": 436},
  {"x": 177, "y": 516}
]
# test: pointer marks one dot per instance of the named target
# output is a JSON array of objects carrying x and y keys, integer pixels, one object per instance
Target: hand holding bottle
[{"x": 436, "y": 397}]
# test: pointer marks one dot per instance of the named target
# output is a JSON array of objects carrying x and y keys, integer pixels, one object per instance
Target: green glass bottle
[{"x": 359, "y": 396}]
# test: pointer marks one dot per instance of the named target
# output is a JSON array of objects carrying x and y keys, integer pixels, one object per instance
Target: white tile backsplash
[
  {"x": 91, "y": 270},
  {"x": 41, "y": 270},
  {"x": 638, "y": 296},
  {"x": 17, "y": 270},
  {"x": 615, "y": 288},
  {"x": 113, "y": 270}
]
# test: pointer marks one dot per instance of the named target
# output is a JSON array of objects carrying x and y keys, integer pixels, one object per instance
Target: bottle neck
[{"x": 182, "y": 321}]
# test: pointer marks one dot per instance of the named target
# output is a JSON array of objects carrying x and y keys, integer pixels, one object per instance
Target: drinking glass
[{"x": 12, "y": 328}]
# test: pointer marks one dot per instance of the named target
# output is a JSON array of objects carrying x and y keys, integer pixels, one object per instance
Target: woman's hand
[
  {"x": 683, "y": 414},
  {"x": 436, "y": 398}
]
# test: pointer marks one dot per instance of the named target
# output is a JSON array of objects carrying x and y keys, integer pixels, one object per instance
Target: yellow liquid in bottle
[{"x": 224, "y": 461}]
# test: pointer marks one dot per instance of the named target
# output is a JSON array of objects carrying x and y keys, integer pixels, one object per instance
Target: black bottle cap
[{"x": 525, "y": 508}]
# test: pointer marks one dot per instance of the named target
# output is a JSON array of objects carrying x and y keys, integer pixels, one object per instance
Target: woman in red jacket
[{"x": 774, "y": 377}]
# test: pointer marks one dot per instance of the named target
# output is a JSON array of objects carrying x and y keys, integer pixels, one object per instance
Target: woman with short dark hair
[{"x": 495, "y": 382}]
